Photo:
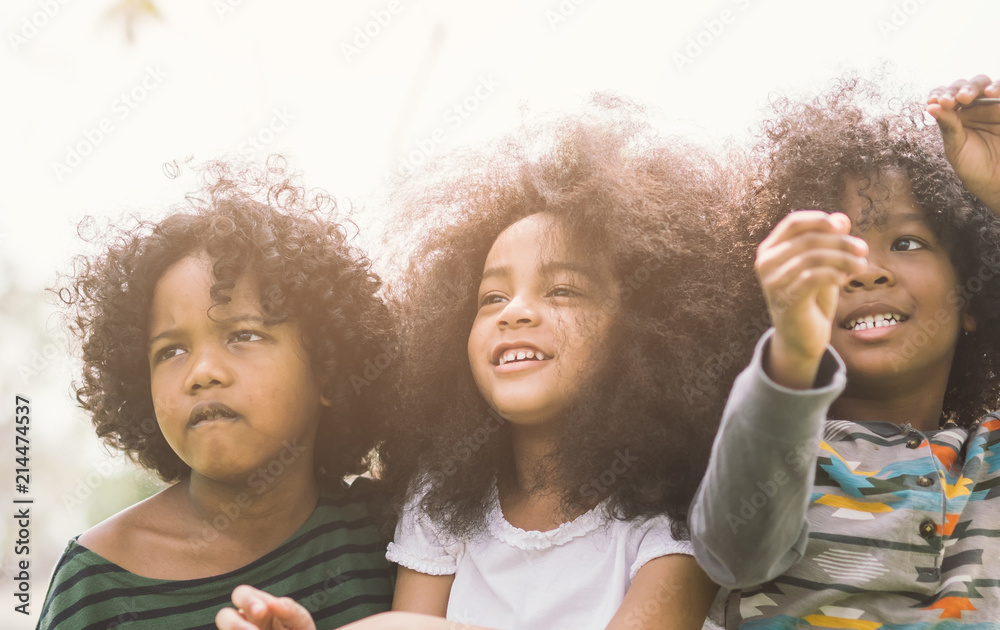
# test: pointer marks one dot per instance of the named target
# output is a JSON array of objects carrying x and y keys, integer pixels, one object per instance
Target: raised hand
[
  {"x": 258, "y": 610},
  {"x": 971, "y": 134},
  {"x": 801, "y": 265}
]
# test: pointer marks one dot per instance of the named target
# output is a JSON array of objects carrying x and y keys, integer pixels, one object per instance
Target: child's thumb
[
  {"x": 841, "y": 222},
  {"x": 293, "y": 615},
  {"x": 949, "y": 124}
]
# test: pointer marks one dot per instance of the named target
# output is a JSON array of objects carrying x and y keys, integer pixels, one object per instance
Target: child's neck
[
  {"x": 262, "y": 507},
  {"x": 532, "y": 445},
  {"x": 919, "y": 407},
  {"x": 535, "y": 502}
]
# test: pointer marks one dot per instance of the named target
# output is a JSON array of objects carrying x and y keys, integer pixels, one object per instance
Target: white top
[{"x": 574, "y": 576}]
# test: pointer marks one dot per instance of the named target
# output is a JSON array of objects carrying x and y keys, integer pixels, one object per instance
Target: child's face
[
  {"x": 544, "y": 314},
  {"x": 231, "y": 394},
  {"x": 910, "y": 277}
]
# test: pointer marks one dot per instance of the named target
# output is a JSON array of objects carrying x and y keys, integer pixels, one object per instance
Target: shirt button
[
  {"x": 927, "y": 528},
  {"x": 925, "y": 481},
  {"x": 913, "y": 442}
]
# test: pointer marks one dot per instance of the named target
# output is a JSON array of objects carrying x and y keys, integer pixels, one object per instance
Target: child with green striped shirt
[{"x": 237, "y": 323}]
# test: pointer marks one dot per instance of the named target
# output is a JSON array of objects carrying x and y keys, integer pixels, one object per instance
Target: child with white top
[{"x": 554, "y": 331}]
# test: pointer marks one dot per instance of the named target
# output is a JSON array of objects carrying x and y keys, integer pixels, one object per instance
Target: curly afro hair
[
  {"x": 263, "y": 223},
  {"x": 807, "y": 152},
  {"x": 652, "y": 207}
]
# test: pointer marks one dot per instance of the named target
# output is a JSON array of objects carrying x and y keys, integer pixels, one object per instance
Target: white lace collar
[{"x": 535, "y": 540}]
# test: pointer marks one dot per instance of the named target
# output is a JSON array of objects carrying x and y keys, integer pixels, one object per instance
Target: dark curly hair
[
  {"x": 653, "y": 208},
  {"x": 806, "y": 152},
  {"x": 252, "y": 221}
]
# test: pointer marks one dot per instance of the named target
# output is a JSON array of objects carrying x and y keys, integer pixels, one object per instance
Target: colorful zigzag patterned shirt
[{"x": 818, "y": 523}]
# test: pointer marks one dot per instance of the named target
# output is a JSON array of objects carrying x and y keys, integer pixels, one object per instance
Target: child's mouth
[
  {"x": 208, "y": 412},
  {"x": 523, "y": 354},
  {"x": 881, "y": 320}
]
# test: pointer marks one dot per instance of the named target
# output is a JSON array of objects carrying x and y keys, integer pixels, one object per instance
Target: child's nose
[
  {"x": 518, "y": 312},
  {"x": 208, "y": 369},
  {"x": 877, "y": 274}
]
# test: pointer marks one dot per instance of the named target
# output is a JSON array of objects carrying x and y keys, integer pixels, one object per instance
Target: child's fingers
[
  {"x": 840, "y": 263},
  {"x": 810, "y": 249},
  {"x": 967, "y": 91},
  {"x": 229, "y": 619},
  {"x": 973, "y": 89},
  {"x": 801, "y": 221},
  {"x": 841, "y": 222},
  {"x": 291, "y": 613},
  {"x": 253, "y": 602},
  {"x": 814, "y": 280},
  {"x": 956, "y": 124},
  {"x": 960, "y": 92},
  {"x": 261, "y": 608},
  {"x": 963, "y": 92},
  {"x": 950, "y": 125},
  {"x": 947, "y": 95},
  {"x": 779, "y": 253}
]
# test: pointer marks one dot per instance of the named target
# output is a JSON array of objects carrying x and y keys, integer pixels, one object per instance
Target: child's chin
[
  {"x": 876, "y": 366},
  {"x": 525, "y": 415}
]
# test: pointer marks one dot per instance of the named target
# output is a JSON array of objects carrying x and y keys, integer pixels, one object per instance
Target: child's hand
[
  {"x": 801, "y": 265},
  {"x": 971, "y": 135},
  {"x": 262, "y": 611}
]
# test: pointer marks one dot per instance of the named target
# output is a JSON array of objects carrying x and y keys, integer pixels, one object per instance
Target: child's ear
[
  {"x": 324, "y": 400},
  {"x": 968, "y": 321}
]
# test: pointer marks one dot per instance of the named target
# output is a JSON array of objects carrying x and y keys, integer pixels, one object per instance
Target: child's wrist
[{"x": 789, "y": 366}]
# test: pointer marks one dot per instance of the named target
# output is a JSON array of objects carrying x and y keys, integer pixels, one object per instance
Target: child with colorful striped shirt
[{"x": 853, "y": 481}]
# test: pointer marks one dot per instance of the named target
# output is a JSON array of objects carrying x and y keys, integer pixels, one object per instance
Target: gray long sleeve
[{"x": 748, "y": 520}]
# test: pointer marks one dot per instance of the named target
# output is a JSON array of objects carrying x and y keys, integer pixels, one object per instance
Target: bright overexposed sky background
[{"x": 349, "y": 91}]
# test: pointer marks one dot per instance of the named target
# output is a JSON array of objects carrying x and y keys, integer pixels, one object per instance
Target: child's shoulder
[{"x": 131, "y": 536}]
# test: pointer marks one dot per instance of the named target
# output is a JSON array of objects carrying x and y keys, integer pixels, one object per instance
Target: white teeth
[
  {"x": 520, "y": 355},
  {"x": 880, "y": 320}
]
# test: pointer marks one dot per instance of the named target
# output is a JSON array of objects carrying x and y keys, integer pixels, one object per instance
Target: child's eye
[
  {"x": 906, "y": 244},
  {"x": 491, "y": 298},
  {"x": 563, "y": 292},
  {"x": 246, "y": 335},
  {"x": 167, "y": 353}
]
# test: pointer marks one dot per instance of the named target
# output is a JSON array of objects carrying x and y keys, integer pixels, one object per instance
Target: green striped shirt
[{"x": 334, "y": 565}]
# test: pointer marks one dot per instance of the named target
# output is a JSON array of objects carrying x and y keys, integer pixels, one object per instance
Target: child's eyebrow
[
  {"x": 495, "y": 272},
  {"x": 909, "y": 217},
  {"x": 155, "y": 338},
  {"x": 545, "y": 269},
  {"x": 235, "y": 319},
  {"x": 555, "y": 267}
]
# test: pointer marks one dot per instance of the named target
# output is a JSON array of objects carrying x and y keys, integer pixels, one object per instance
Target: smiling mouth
[
  {"x": 523, "y": 354},
  {"x": 881, "y": 320},
  {"x": 208, "y": 412}
]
